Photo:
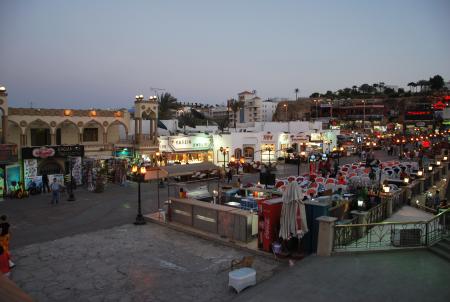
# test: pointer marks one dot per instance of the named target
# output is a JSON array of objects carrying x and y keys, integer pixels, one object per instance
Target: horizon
[{"x": 207, "y": 53}]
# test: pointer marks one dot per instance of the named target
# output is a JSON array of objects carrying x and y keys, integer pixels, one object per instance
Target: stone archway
[
  {"x": 50, "y": 166},
  {"x": 67, "y": 133},
  {"x": 90, "y": 135},
  {"x": 38, "y": 133},
  {"x": 116, "y": 132}
]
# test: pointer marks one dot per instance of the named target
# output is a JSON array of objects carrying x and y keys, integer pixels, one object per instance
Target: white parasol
[{"x": 293, "y": 216}]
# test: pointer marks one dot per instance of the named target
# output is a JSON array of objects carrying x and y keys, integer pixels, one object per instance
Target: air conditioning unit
[{"x": 406, "y": 237}]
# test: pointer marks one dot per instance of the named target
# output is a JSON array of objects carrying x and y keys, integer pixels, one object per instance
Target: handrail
[{"x": 392, "y": 222}]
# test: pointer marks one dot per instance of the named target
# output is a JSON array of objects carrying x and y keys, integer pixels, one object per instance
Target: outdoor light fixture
[
  {"x": 2, "y": 88},
  {"x": 417, "y": 202},
  {"x": 67, "y": 112},
  {"x": 406, "y": 180},
  {"x": 438, "y": 163},
  {"x": 445, "y": 158},
  {"x": 430, "y": 168},
  {"x": 139, "y": 175},
  {"x": 93, "y": 113},
  {"x": 386, "y": 189},
  {"x": 419, "y": 173},
  {"x": 302, "y": 153},
  {"x": 233, "y": 159},
  {"x": 360, "y": 204}
]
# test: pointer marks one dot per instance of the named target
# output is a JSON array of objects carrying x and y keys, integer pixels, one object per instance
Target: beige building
[{"x": 100, "y": 131}]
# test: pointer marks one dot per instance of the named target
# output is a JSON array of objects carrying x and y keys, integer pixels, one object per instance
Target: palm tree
[
  {"x": 167, "y": 104},
  {"x": 410, "y": 85},
  {"x": 235, "y": 106},
  {"x": 296, "y": 93},
  {"x": 375, "y": 85}
]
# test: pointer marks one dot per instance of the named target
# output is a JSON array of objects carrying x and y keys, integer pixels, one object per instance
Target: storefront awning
[{"x": 181, "y": 170}]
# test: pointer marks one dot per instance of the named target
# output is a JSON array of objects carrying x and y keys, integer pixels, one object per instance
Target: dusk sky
[{"x": 94, "y": 53}]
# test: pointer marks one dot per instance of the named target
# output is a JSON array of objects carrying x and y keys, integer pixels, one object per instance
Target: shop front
[
  {"x": 268, "y": 149},
  {"x": 186, "y": 149},
  {"x": 55, "y": 161},
  {"x": 8, "y": 163}
]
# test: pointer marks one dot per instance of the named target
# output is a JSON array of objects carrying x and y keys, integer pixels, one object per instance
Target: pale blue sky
[{"x": 92, "y": 53}]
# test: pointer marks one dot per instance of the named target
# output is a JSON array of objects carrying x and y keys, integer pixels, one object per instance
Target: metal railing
[
  {"x": 391, "y": 235},
  {"x": 377, "y": 213}
]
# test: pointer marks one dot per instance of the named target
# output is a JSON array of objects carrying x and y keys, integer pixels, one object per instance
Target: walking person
[
  {"x": 56, "y": 188},
  {"x": 5, "y": 237},
  {"x": 229, "y": 175},
  {"x": 45, "y": 186},
  {"x": 436, "y": 200},
  {"x": 4, "y": 263}
]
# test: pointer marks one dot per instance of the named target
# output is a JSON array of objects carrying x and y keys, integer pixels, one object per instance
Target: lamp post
[
  {"x": 71, "y": 194},
  {"x": 224, "y": 151},
  {"x": 158, "y": 163},
  {"x": 139, "y": 173},
  {"x": 286, "y": 110},
  {"x": 317, "y": 112},
  {"x": 364, "y": 116}
]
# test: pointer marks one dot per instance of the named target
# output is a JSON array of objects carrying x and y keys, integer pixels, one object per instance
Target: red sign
[
  {"x": 439, "y": 106},
  {"x": 44, "y": 152},
  {"x": 418, "y": 112},
  {"x": 426, "y": 144}
]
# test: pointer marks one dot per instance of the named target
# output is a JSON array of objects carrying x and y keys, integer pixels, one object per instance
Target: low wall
[{"x": 225, "y": 221}]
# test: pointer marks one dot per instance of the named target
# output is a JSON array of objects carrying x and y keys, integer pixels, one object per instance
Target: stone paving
[{"x": 130, "y": 263}]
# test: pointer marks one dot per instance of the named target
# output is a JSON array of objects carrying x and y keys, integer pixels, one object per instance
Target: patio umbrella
[{"x": 293, "y": 216}]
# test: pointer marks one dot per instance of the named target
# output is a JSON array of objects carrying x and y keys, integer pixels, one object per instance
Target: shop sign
[
  {"x": 123, "y": 152},
  {"x": 268, "y": 137},
  {"x": 439, "y": 106},
  {"x": 8, "y": 154},
  {"x": 43, "y": 152},
  {"x": 53, "y": 151},
  {"x": 316, "y": 137},
  {"x": 190, "y": 143},
  {"x": 420, "y": 124},
  {"x": 419, "y": 115}
]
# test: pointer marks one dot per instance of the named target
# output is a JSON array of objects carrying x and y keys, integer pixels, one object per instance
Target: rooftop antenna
[{"x": 156, "y": 90}]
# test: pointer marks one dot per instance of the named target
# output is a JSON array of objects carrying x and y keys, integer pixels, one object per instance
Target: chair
[{"x": 242, "y": 278}]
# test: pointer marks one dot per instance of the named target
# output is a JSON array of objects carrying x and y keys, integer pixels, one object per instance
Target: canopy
[
  {"x": 181, "y": 170},
  {"x": 293, "y": 217}
]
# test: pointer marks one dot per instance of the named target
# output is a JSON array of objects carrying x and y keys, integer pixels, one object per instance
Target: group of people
[{"x": 5, "y": 260}]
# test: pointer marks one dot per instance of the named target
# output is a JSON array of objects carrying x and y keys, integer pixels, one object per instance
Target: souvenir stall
[{"x": 55, "y": 161}]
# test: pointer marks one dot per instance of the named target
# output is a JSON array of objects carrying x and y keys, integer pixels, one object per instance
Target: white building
[{"x": 268, "y": 109}]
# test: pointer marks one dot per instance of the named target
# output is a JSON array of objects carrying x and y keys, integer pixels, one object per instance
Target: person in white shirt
[{"x": 55, "y": 187}]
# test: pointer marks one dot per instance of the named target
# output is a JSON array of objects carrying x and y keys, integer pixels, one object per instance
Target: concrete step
[
  {"x": 445, "y": 246},
  {"x": 435, "y": 249}
]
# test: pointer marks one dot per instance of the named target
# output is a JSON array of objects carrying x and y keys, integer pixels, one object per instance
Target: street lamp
[
  {"x": 71, "y": 194},
  {"x": 317, "y": 113},
  {"x": 269, "y": 149},
  {"x": 224, "y": 151},
  {"x": 139, "y": 173},
  {"x": 286, "y": 109},
  {"x": 364, "y": 116}
]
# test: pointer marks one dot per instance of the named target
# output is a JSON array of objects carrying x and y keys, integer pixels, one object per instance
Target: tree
[
  {"x": 375, "y": 85},
  {"x": 422, "y": 84},
  {"x": 355, "y": 88},
  {"x": 365, "y": 88},
  {"x": 167, "y": 104},
  {"x": 314, "y": 95},
  {"x": 186, "y": 119},
  {"x": 235, "y": 106},
  {"x": 436, "y": 82},
  {"x": 296, "y": 93},
  {"x": 222, "y": 123},
  {"x": 411, "y": 85}
]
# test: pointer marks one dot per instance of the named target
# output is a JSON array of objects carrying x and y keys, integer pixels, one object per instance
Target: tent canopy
[{"x": 182, "y": 170}]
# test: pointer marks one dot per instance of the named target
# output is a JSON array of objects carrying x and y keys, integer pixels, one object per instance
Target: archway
[
  {"x": 14, "y": 132},
  {"x": 39, "y": 133},
  {"x": 249, "y": 153},
  {"x": 67, "y": 133},
  {"x": 238, "y": 153},
  {"x": 116, "y": 132},
  {"x": 50, "y": 166}
]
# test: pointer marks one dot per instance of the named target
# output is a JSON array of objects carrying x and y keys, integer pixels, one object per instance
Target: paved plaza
[{"x": 130, "y": 263}]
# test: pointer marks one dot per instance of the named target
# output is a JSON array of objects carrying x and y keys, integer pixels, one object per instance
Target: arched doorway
[
  {"x": 116, "y": 132},
  {"x": 39, "y": 133},
  {"x": 50, "y": 166},
  {"x": 67, "y": 133},
  {"x": 238, "y": 153},
  {"x": 14, "y": 132},
  {"x": 93, "y": 132},
  {"x": 249, "y": 153}
]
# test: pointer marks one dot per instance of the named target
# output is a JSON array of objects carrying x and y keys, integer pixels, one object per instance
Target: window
[
  {"x": 238, "y": 153},
  {"x": 90, "y": 134},
  {"x": 249, "y": 152},
  {"x": 40, "y": 137}
]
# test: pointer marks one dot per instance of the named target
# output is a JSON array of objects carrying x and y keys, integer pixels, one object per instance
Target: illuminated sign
[
  {"x": 43, "y": 152},
  {"x": 439, "y": 106},
  {"x": 418, "y": 112},
  {"x": 426, "y": 144},
  {"x": 185, "y": 143},
  {"x": 316, "y": 137},
  {"x": 8, "y": 154}
]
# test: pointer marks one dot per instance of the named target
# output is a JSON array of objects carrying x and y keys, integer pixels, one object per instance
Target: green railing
[{"x": 391, "y": 235}]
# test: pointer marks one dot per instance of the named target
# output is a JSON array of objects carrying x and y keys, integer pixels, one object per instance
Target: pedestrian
[
  {"x": 436, "y": 200},
  {"x": 45, "y": 186},
  {"x": 229, "y": 175},
  {"x": 56, "y": 188},
  {"x": 4, "y": 233},
  {"x": 4, "y": 263}
]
